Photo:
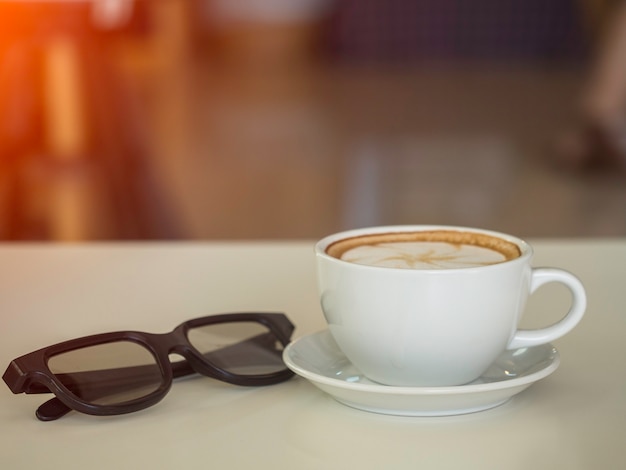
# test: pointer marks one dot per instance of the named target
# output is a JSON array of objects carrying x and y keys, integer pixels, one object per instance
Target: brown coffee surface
[{"x": 425, "y": 249}]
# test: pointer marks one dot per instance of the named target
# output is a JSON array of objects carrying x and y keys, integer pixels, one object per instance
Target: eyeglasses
[{"x": 126, "y": 371}]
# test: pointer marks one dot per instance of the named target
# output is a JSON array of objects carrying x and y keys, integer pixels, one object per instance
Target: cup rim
[{"x": 321, "y": 245}]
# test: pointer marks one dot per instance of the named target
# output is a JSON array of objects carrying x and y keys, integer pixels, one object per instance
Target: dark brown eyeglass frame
[{"x": 30, "y": 373}]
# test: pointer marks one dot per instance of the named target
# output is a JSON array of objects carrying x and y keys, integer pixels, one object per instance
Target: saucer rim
[{"x": 525, "y": 380}]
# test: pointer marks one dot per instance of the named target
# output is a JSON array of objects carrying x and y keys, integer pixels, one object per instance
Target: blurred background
[{"x": 276, "y": 119}]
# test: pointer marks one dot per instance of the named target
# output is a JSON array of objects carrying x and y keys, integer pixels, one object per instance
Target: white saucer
[{"x": 317, "y": 358}]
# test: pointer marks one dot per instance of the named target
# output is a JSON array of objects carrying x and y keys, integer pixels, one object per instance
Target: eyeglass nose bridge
[{"x": 176, "y": 343}]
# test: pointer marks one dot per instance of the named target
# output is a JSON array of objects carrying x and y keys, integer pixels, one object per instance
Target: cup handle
[{"x": 539, "y": 277}]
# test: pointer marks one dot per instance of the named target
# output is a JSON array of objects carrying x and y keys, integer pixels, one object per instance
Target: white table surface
[{"x": 574, "y": 419}]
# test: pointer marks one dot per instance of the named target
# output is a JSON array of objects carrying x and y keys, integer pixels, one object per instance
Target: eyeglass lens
[
  {"x": 95, "y": 373},
  {"x": 242, "y": 348}
]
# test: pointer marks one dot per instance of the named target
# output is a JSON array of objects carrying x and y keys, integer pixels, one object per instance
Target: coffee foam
[{"x": 438, "y": 249}]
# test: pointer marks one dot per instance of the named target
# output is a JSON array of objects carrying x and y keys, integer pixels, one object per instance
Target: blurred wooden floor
[
  {"x": 305, "y": 154},
  {"x": 261, "y": 151}
]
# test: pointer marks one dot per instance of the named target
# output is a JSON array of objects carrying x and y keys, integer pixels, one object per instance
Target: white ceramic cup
[{"x": 434, "y": 327}]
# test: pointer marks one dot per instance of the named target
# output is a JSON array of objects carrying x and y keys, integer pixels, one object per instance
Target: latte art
[
  {"x": 423, "y": 255},
  {"x": 439, "y": 249}
]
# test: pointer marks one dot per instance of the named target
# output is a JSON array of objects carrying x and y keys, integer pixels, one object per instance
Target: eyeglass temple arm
[{"x": 110, "y": 381}]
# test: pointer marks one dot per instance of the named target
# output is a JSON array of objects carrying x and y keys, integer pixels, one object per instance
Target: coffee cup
[{"x": 433, "y": 305}]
